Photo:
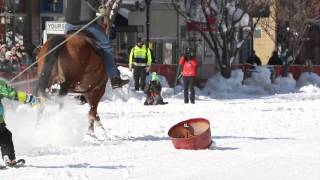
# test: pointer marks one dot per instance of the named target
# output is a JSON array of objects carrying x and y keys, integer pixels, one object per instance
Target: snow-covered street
[{"x": 265, "y": 136}]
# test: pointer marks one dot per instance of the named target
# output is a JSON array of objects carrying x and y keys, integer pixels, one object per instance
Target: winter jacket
[
  {"x": 79, "y": 12},
  {"x": 275, "y": 60},
  {"x": 10, "y": 93},
  {"x": 153, "y": 91},
  {"x": 140, "y": 57},
  {"x": 189, "y": 66},
  {"x": 254, "y": 59}
]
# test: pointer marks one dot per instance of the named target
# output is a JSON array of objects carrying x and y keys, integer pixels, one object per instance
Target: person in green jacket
[{"x": 6, "y": 143}]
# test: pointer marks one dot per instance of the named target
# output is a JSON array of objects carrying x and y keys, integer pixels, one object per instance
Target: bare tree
[
  {"x": 288, "y": 19},
  {"x": 232, "y": 17}
]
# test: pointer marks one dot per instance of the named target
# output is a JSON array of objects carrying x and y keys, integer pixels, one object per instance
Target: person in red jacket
[{"x": 189, "y": 73}]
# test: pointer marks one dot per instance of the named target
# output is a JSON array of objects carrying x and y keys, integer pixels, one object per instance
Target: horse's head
[{"x": 109, "y": 9}]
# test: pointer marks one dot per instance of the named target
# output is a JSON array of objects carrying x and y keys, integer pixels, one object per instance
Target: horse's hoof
[
  {"x": 89, "y": 139},
  {"x": 100, "y": 133},
  {"x": 91, "y": 133}
]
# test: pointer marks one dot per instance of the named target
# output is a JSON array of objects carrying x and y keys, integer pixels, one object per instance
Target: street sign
[
  {"x": 202, "y": 26},
  {"x": 55, "y": 27}
]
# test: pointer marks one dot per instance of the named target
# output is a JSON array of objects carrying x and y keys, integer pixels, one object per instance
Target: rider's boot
[
  {"x": 9, "y": 162},
  {"x": 117, "y": 82}
]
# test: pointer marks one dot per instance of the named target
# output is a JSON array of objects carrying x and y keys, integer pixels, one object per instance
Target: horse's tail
[{"x": 49, "y": 62}]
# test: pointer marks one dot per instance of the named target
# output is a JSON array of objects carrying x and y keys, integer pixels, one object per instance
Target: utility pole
[
  {"x": 13, "y": 22},
  {"x": 148, "y": 2}
]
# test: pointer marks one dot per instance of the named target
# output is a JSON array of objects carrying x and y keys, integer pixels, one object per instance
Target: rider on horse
[{"x": 80, "y": 12}]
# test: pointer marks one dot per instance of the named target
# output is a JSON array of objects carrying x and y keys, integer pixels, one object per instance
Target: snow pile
[
  {"x": 285, "y": 84},
  {"x": 307, "y": 78},
  {"x": 222, "y": 86},
  {"x": 260, "y": 79}
]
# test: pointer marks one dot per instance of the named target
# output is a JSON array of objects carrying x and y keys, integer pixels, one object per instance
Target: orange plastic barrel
[{"x": 191, "y": 134}]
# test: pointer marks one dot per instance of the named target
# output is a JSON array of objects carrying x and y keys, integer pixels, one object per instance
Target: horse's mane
[{"x": 50, "y": 60}]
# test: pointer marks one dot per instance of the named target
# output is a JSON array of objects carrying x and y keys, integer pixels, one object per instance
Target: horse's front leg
[
  {"x": 95, "y": 128},
  {"x": 91, "y": 124}
]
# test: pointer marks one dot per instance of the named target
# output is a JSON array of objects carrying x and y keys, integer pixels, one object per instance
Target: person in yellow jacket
[
  {"x": 6, "y": 143},
  {"x": 140, "y": 60}
]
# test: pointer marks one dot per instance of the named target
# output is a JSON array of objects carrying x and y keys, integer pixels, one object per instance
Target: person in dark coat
[
  {"x": 254, "y": 59},
  {"x": 275, "y": 60},
  {"x": 153, "y": 91}
]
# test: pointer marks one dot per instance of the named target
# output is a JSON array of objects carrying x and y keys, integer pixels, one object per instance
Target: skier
[
  {"x": 6, "y": 143},
  {"x": 153, "y": 91},
  {"x": 189, "y": 65}
]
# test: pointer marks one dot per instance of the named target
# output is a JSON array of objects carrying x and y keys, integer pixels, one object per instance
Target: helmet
[
  {"x": 154, "y": 77},
  {"x": 189, "y": 53},
  {"x": 140, "y": 42}
]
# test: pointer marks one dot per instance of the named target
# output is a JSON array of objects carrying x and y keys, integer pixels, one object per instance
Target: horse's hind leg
[{"x": 93, "y": 97}]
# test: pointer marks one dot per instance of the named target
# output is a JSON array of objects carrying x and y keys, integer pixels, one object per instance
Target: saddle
[{"x": 90, "y": 38}]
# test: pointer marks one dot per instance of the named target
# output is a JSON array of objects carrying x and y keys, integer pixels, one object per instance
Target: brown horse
[{"x": 77, "y": 66}]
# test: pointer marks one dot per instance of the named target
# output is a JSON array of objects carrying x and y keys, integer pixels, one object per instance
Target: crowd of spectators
[{"x": 12, "y": 58}]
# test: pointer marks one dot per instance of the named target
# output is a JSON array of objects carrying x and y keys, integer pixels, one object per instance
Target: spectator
[
  {"x": 153, "y": 91},
  {"x": 275, "y": 60},
  {"x": 3, "y": 50},
  {"x": 15, "y": 63},
  {"x": 254, "y": 59},
  {"x": 189, "y": 73},
  {"x": 140, "y": 60}
]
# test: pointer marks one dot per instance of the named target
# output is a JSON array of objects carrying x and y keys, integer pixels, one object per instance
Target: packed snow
[{"x": 261, "y": 130}]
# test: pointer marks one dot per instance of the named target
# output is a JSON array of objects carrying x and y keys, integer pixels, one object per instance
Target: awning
[{"x": 124, "y": 12}]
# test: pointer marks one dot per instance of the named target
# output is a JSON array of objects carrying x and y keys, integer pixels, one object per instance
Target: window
[
  {"x": 257, "y": 33},
  {"x": 51, "y": 6},
  {"x": 15, "y": 6}
]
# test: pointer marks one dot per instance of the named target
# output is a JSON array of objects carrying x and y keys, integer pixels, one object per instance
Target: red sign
[{"x": 202, "y": 26}]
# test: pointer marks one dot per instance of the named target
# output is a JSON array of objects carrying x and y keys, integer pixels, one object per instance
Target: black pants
[
  {"x": 6, "y": 142},
  {"x": 139, "y": 74},
  {"x": 188, "y": 84}
]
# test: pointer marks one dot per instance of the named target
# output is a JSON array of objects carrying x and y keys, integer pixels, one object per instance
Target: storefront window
[
  {"x": 15, "y": 6},
  {"x": 51, "y": 6}
]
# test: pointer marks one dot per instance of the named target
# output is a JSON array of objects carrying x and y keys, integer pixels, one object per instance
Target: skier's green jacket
[{"x": 10, "y": 93}]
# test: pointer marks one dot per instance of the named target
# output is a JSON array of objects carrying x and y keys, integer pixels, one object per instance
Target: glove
[
  {"x": 130, "y": 69},
  {"x": 32, "y": 100}
]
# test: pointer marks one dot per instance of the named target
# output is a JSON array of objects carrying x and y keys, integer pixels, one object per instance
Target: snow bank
[{"x": 307, "y": 78}]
